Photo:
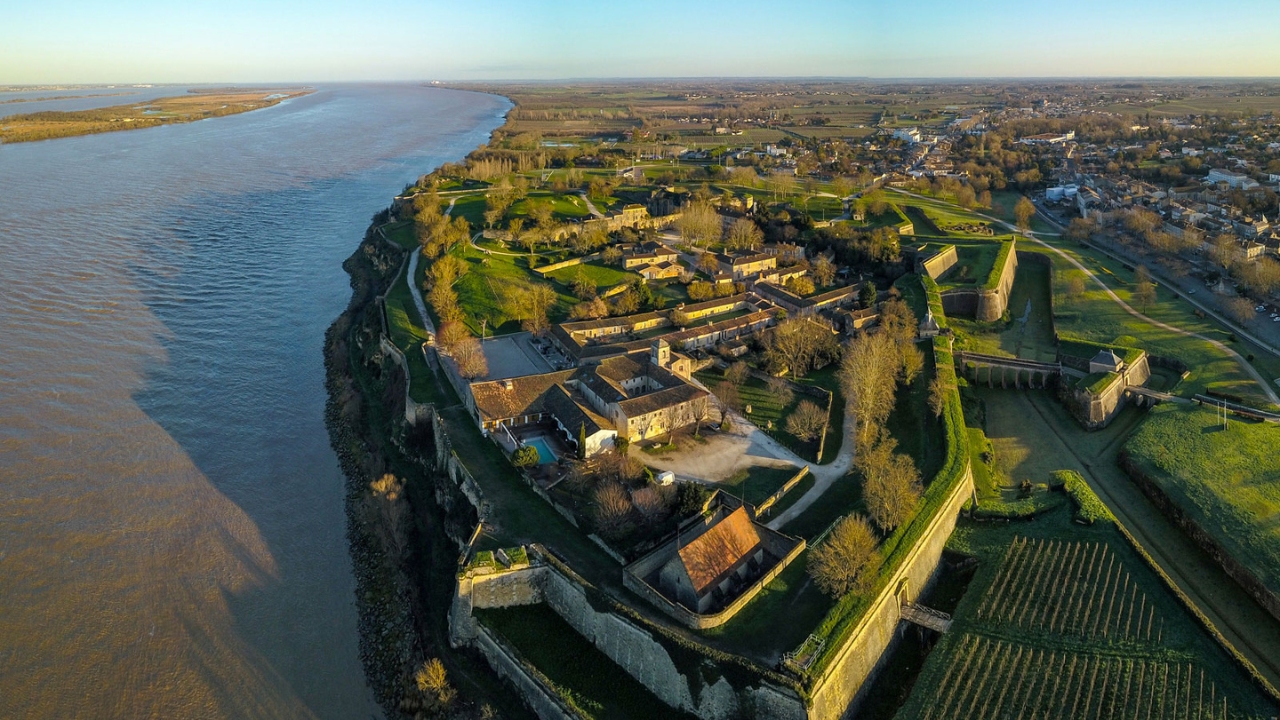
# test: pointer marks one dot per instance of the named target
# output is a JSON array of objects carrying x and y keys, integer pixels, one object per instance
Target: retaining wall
[
  {"x": 840, "y": 689},
  {"x": 630, "y": 646},
  {"x": 985, "y": 304}
]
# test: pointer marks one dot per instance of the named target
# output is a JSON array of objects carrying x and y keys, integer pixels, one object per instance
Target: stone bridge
[{"x": 1011, "y": 370}]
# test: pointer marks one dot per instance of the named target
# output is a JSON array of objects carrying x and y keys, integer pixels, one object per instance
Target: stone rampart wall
[{"x": 842, "y": 684}]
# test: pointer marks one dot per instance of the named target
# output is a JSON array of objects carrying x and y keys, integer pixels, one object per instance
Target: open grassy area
[
  {"x": 770, "y": 415},
  {"x": 471, "y": 207},
  {"x": 604, "y": 276},
  {"x": 976, "y": 262},
  {"x": 486, "y": 291},
  {"x": 408, "y": 333},
  {"x": 755, "y": 484},
  {"x": 1094, "y": 316},
  {"x": 582, "y": 675},
  {"x": 1227, "y": 481},
  {"x": 564, "y": 207},
  {"x": 1066, "y": 621}
]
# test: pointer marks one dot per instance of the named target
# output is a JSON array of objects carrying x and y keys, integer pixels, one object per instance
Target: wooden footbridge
[{"x": 926, "y": 617}]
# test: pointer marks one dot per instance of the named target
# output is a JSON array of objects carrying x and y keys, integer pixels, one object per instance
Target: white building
[
  {"x": 911, "y": 135},
  {"x": 1235, "y": 180}
]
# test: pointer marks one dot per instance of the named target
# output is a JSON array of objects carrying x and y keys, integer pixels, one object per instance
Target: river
[{"x": 171, "y": 515}]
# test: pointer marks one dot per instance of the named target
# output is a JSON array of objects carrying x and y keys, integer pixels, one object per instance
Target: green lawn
[
  {"x": 976, "y": 262},
  {"x": 472, "y": 208},
  {"x": 401, "y": 233},
  {"x": 564, "y": 207},
  {"x": 770, "y": 415},
  {"x": 1227, "y": 481},
  {"x": 486, "y": 290},
  {"x": 604, "y": 276},
  {"x": 582, "y": 675},
  {"x": 757, "y": 483},
  {"x": 1030, "y": 639},
  {"x": 1096, "y": 317}
]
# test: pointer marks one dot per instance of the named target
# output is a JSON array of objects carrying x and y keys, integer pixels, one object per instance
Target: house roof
[
  {"x": 501, "y": 399},
  {"x": 1106, "y": 356},
  {"x": 572, "y": 414},
  {"x": 718, "y": 551},
  {"x": 654, "y": 401}
]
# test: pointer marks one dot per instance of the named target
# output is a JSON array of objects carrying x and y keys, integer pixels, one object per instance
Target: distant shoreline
[{"x": 52, "y": 125}]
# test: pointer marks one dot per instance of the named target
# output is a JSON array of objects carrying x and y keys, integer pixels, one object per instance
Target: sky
[{"x": 146, "y": 41}]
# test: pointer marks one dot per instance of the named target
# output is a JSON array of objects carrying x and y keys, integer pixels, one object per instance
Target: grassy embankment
[
  {"x": 52, "y": 124},
  {"x": 1227, "y": 481}
]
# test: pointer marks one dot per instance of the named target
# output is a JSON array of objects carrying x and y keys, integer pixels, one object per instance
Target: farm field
[
  {"x": 1227, "y": 481},
  {"x": 1066, "y": 621}
]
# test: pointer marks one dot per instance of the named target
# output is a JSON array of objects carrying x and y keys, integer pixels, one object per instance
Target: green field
[
  {"x": 485, "y": 292},
  {"x": 564, "y": 207},
  {"x": 604, "y": 276},
  {"x": 408, "y": 333},
  {"x": 1227, "y": 481},
  {"x": 1066, "y": 621},
  {"x": 472, "y": 208},
  {"x": 580, "y": 674},
  {"x": 1029, "y": 340}
]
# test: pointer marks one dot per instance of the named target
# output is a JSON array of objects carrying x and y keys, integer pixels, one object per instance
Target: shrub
[
  {"x": 525, "y": 456},
  {"x": 1089, "y": 508}
]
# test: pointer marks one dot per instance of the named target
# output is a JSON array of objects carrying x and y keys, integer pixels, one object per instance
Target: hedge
[{"x": 997, "y": 268}]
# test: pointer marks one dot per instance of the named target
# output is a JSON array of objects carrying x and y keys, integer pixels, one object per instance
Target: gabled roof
[{"x": 717, "y": 552}]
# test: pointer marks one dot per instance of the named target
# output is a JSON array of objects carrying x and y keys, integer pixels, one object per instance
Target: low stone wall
[
  {"x": 547, "y": 269},
  {"x": 795, "y": 480},
  {"x": 946, "y": 259},
  {"x": 840, "y": 688}
]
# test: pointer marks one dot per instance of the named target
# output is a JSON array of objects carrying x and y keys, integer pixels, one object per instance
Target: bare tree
[
  {"x": 1144, "y": 290},
  {"x": 1239, "y": 309},
  {"x": 912, "y": 362},
  {"x": 469, "y": 356},
  {"x": 845, "y": 561},
  {"x": 1023, "y": 211},
  {"x": 939, "y": 389},
  {"x": 612, "y": 508},
  {"x": 727, "y": 392},
  {"x": 824, "y": 271},
  {"x": 867, "y": 376},
  {"x": 780, "y": 389},
  {"x": 433, "y": 683},
  {"x": 892, "y": 484},
  {"x": 699, "y": 224},
  {"x": 700, "y": 407},
  {"x": 806, "y": 421},
  {"x": 1075, "y": 287},
  {"x": 737, "y": 373},
  {"x": 743, "y": 234}
]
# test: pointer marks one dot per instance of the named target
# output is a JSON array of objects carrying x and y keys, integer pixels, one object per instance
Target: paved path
[
  {"x": 416, "y": 293},
  {"x": 591, "y": 207},
  {"x": 824, "y": 475}
]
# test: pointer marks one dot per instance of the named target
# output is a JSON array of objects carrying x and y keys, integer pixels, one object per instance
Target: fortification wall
[
  {"x": 942, "y": 262},
  {"x": 840, "y": 689},
  {"x": 630, "y": 646},
  {"x": 532, "y": 690},
  {"x": 984, "y": 304}
]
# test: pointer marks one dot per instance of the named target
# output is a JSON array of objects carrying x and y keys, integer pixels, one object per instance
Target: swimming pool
[{"x": 545, "y": 454}]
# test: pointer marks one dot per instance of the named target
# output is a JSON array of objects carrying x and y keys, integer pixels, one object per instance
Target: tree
[
  {"x": 531, "y": 304},
  {"x": 867, "y": 294},
  {"x": 699, "y": 224},
  {"x": 700, "y": 408},
  {"x": 1144, "y": 290},
  {"x": 799, "y": 345},
  {"x": 611, "y": 256},
  {"x": 727, "y": 392},
  {"x": 844, "y": 562},
  {"x": 1023, "y": 211},
  {"x": 867, "y": 376},
  {"x": 626, "y": 302},
  {"x": 582, "y": 440},
  {"x": 891, "y": 484},
  {"x": 433, "y": 682},
  {"x": 780, "y": 390},
  {"x": 708, "y": 264},
  {"x": 699, "y": 290},
  {"x": 965, "y": 197},
  {"x": 451, "y": 333},
  {"x": 592, "y": 309},
  {"x": 680, "y": 318},
  {"x": 1081, "y": 229},
  {"x": 737, "y": 373},
  {"x": 743, "y": 234},
  {"x": 806, "y": 421},
  {"x": 824, "y": 271},
  {"x": 469, "y": 356},
  {"x": 583, "y": 287},
  {"x": 801, "y": 286},
  {"x": 525, "y": 456},
  {"x": 984, "y": 199},
  {"x": 1239, "y": 309},
  {"x": 939, "y": 390},
  {"x": 842, "y": 186},
  {"x": 612, "y": 509},
  {"x": 897, "y": 321},
  {"x": 912, "y": 362}
]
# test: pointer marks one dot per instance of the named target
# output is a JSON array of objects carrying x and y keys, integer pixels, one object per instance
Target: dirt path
[{"x": 591, "y": 207}]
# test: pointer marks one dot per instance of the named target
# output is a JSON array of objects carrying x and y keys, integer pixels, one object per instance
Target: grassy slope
[{"x": 1228, "y": 481}]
